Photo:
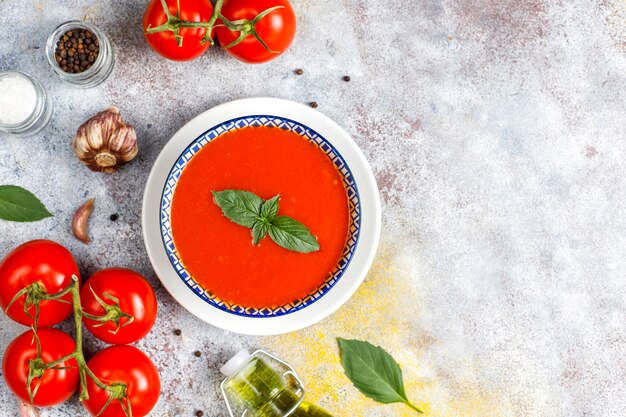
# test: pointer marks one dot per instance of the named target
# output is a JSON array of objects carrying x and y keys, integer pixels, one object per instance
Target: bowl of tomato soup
[{"x": 294, "y": 233}]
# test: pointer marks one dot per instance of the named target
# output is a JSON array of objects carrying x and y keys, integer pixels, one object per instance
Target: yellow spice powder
[{"x": 386, "y": 312}]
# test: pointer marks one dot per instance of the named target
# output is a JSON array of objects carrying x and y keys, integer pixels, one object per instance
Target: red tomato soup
[{"x": 219, "y": 253}]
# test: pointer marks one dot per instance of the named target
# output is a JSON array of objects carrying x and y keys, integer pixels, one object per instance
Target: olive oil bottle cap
[{"x": 234, "y": 365}]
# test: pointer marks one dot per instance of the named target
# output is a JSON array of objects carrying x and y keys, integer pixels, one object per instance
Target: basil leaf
[
  {"x": 374, "y": 372},
  {"x": 249, "y": 210},
  {"x": 20, "y": 205},
  {"x": 241, "y": 207},
  {"x": 292, "y": 235},
  {"x": 269, "y": 209},
  {"x": 259, "y": 231}
]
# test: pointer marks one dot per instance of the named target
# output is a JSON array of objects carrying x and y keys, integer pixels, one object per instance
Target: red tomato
[
  {"x": 57, "y": 385},
  {"x": 42, "y": 261},
  {"x": 277, "y": 29},
  {"x": 135, "y": 296},
  {"x": 128, "y": 365},
  {"x": 164, "y": 43}
]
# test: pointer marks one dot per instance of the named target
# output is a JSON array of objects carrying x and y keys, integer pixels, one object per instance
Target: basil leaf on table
[
  {"x": 241, "y": 207},
  {"x": 374, "y": 372},
  {"x": 292, "y": 235},
  {"x": 20, "y": 205}
]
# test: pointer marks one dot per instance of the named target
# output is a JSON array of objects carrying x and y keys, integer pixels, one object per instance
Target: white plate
[{"x": 365, "y": 215}]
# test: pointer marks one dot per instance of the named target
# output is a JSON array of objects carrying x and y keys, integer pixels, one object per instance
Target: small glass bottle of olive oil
[{"x": 261, "y": 385}]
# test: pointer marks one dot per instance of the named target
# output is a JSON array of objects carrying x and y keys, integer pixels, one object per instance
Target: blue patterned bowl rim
[{"x": 305, "y": 132}]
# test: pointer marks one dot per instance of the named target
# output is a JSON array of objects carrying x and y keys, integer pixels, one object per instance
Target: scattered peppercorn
[
  {"x": 197, "y": 353},
  {"x": 199, "y": 413},
  {"x": 178, "y": 332},
  {"x": 77, "y": 50},
  {"x": 313, "y": 104},
  {"x": 299, "y": 71},
  {"x": 114, "y": 217},
  {"x": 346, "y": 78}
]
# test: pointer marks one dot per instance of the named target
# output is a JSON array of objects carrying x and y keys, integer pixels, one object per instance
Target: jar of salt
[{"x": 25, "y": 106}]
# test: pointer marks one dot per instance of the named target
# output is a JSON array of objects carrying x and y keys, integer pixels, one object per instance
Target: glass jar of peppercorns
[{"x": 80, "y": 54}]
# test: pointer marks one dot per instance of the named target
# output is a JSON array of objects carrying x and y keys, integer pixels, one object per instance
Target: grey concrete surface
[{"x": 497, "y": 133}]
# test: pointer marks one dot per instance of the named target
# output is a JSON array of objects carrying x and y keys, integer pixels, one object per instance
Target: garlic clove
[
  {"x": 80, "y": 222},
  {"x": 123, "y": 141},
  {"x": 105, "y": 142}
]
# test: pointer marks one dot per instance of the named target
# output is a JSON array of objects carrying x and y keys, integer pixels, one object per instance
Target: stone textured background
[{"x": 497, "y": 132}]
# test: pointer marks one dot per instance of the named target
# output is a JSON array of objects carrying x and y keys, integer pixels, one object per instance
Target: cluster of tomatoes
[
  {"x": 47, "y": 267},
  {"x": 256, "y": 42}
]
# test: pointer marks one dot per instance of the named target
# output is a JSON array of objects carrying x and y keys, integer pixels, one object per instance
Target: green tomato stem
[
  {"x": 211, "y": 23},
  {"x": 79, "y": 357}
]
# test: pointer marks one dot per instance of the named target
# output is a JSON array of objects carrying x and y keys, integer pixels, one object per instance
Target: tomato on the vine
[
  {"x": 49, "y": 265},
  {"x": 165, "y": 43},
  {"x": 277, "y": 29},
  {"x": 135, "y": 297},
  {"x": 127, "y": 365},
  {"x": 55, "y": 385}
]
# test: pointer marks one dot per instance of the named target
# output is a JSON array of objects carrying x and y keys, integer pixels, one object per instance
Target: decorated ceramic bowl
[{"x": 261, "y": 216}]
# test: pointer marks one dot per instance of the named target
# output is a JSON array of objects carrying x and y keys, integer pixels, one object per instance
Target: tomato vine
[
  {"x": 245, "y": 27},
  {"x": 35, "y": 294}
]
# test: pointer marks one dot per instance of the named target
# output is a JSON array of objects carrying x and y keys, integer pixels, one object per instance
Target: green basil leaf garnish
[
  {"x": 292, "y": 235},
  {"x": 20, "y": 205},
  {"x": 374, "y": 372},
  {"x": 249, "y": 210},
  {"x": 259, "y": 231},
  {"x": 269, "y": 209},
  {"x": 241, "y": 207}
]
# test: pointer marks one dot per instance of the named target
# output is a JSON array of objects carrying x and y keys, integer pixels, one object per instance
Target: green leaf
[
  {"x": 259, "y": 231},
  {"x": 374, "y": 372},
  {"x": 20, "y": 205},
  {"x": 241, "y": 207},
  {"x": 249, "y": 210},
  {"x": 292, "y": 235},
  {"x": 269, "y": 209}
]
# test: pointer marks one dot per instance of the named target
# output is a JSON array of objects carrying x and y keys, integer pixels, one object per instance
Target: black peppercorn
[
  {"x": 197, "y": 353},
  {"x": 114, "y": 217},
  {"x": 80, "y": 46},
  {"x": 199, "y": 413},
  {"x": 346, "y": 78},
  {"x": 313, "y": 104},
  {"x": 299, "y": 71},
  {"x": 178, "y": 332}
]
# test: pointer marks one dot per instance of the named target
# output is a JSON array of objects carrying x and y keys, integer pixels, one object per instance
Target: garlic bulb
[{"x": 105, "y": 142}]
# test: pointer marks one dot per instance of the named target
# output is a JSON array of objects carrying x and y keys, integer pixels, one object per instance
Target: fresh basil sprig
[
  {"x": 20, "y": 205},
  {"x": 374, "y": 372},
  {"x": 261, "y": 216}
]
